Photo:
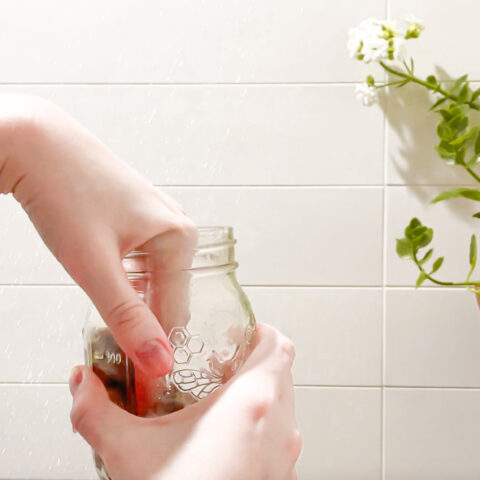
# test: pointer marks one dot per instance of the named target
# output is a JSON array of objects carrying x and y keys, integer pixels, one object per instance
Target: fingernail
[
  {"x": 76, "y": 378},
  {"x": 155, "y": 358}
]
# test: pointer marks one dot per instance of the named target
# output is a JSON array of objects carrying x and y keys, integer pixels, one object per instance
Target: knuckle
[
  {"x": 260, "y": 407},
  {"x": 288, "y": 348},
  {"x": 185, "y": 229},
  {"x": 126, "y": 316},
  {"x": 295, "y": 444}
]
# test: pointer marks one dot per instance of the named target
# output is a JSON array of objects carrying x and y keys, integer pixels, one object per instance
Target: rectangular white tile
[
  {"x": 231, "y": 135},
  {"x": 433, "y": 52},
  {"x": 161, "y": 41},
  {"x": 337, "y": 332},
  {"x": 451, "y": 221},
  {"x": 42, "y": 337},
  {"x": 324, "y": 236},
  {"x": 341, "y": 433},
  {"x": 44, "y": 326},
  {"x": 432, "y": 338},
  {"x": 432, "y": 434},
  {"x": 296, "y": 236},
  {"x": 37, "y": 440},
  {"x": 411, "y": 136}
]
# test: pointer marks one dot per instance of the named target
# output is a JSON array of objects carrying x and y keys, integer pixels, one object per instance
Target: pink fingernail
[{"x": 155, "y": 358}]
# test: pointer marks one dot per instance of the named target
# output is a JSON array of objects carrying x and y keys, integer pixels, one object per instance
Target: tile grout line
[
  {"x": 296, "y": 385},
  {"x": 384, "y": 279},
  {"x": 438, "y": 388},
  {"x": 188, "y": 84},
  {"x": 270, "y": 286},
  {"x": 300, "y": 186}
]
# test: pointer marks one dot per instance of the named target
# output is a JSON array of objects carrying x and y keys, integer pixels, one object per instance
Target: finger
[
  {"x": 271, "y": 349},
  {"x": 132, "y": 323},
  {"x": 168, "y": 262},
  {"x": 265, "y": 380},
  {"x": 100, "y": 422}
]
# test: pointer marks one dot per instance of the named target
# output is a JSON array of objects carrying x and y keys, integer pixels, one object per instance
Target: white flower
[
  {"x": 367, "y": 94},
  {"x": 382, "y": 40},
  {"x": 376, "y": 40},
  {"x": 415, "y": 26}
]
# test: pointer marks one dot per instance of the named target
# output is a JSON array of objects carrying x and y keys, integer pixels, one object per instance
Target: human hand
[
  {"x": 91, "y": 209},
  {"x": 245, "y": 430}
]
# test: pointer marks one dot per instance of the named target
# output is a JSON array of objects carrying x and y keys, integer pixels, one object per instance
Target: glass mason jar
[{"x": 205, "y": 314}]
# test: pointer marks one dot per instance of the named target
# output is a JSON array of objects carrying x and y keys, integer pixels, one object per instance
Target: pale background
[{"x": 245, "y": 112}]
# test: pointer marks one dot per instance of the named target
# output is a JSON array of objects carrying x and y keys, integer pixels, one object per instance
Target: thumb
[
  {"x": 98, "y": 420},
  {"x": 132, "y": 323}
]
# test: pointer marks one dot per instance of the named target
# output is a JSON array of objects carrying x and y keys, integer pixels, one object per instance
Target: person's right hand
[
  {"x": 246, "y": 430},
  {"x": 91, "y": 209}
]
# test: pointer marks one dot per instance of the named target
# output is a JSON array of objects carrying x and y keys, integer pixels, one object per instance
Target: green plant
[{"x": 458, "y": 141}]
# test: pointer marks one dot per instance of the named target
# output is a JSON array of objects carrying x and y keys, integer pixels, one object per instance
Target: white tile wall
[
  {"x": 346, "y": 349},
  {"x": 342, "y": 433},
  {"x": 448, "y": 39},
  {"x": 432, "y": 434},
  {"x": 37, "y": 439},
  {"x": 431, "y": 338},
  {"x": 200, "y": 135},
  {"x": 215, "y": 41},
  {"x": 280, "y": 242},
  {"x": 244, "y": 111}
]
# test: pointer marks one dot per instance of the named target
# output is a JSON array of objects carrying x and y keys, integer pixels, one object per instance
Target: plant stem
[
  {"x": 427, "y": 85},
  {"x": 473, "y": 174},
  {"x": 439, "y": 282}
]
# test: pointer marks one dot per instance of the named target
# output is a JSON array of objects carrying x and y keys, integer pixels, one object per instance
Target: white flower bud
[{"x": 367, "y": 94}]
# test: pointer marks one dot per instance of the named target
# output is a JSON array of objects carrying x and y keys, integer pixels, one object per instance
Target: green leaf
[
  {"x": 426, "y": 257},
  {"x": 477, "y": 145},
  {"x": 464, "y": 140},
  {"x": 419, "y": 235},
  {"x": 437, "y": 264},
  {"x": 446, "y": 114},
  {"x": 421, "y": 278},
  {"x": 445, "y": 132},
  {"x": 473, "y": 161},
  {"x": 473, "y": 251},
  {"x": 446, "y": 151},
  {"x": 476, "y": 215},
  {"x": 475, "y": 95},
  {"x": 458, "y": 109},
  {"x": 414, "y": 223},
  {"x": 460, "y": 157},
  {"x": 458, "y": 82},
  {"x": 404, "y": 248},
  {"x": 459, "y": 122},
  {"x": 470, "y": 193},
  {"x": 438, "y": 103},
  {"x": 463, "y": 95}
]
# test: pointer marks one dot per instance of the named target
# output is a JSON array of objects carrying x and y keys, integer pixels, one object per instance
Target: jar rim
[{"x": 209, "y": 236}]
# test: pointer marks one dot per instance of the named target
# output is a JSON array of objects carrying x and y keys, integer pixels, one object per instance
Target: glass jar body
[{"x": 210, "y": 335}]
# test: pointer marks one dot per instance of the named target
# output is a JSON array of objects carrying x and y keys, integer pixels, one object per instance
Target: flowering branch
[{"x": 384, "y": 42}]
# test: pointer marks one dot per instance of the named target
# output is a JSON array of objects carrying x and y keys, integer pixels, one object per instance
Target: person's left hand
[{"x": 245, "y": 430}]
